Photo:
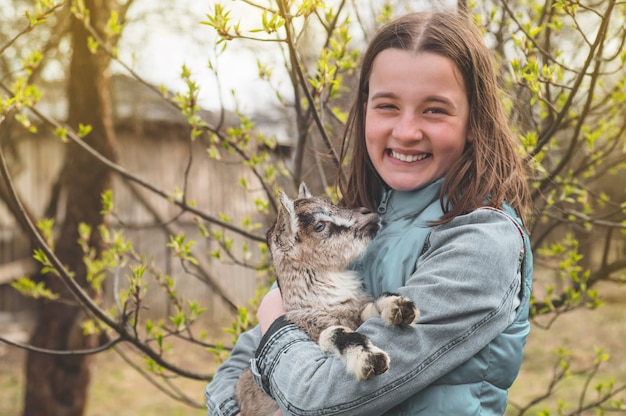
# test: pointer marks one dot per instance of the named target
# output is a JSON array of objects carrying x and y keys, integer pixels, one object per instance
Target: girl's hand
[{"x": 270, "y": 309}]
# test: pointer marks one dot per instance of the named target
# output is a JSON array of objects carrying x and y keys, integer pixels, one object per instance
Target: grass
[
  {"x": 117, "y": 389},
  {"x": 133, "y": 395},
  {"x": 11, "y": 381}
]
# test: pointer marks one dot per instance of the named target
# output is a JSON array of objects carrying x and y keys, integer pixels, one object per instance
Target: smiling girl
[
  {"x": 416, "y": 117},
  {"x": 431, "y": 150}
]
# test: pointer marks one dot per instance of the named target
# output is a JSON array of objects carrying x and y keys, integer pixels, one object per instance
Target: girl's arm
[
  {"x": 220, "y": 392},
  {"x": 466, "y": 286}
]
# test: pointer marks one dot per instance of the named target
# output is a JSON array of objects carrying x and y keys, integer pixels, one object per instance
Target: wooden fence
[{"x": 157, "y": 151}]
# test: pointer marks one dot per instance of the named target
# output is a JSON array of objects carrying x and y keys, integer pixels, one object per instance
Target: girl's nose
[{"x": 408, "y": 128}]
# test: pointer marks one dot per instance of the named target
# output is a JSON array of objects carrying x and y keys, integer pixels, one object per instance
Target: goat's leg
[
  {"x": 362, "y": 359},
  {"x": 393, "y": 308}
]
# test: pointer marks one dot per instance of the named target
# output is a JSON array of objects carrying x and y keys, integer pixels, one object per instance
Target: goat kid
[{"x": 311, "y": 244}]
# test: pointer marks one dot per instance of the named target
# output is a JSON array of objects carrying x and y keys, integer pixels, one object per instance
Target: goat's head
[{"x": 313, "y": 234}]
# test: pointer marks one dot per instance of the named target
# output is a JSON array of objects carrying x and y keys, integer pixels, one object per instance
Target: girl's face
[{"x": 416, "y": 122}]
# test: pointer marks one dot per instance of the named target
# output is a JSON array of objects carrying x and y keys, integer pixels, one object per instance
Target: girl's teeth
[{"x": 408, "y": 158}]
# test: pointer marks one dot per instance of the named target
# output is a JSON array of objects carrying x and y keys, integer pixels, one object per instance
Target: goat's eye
[{"x": 320, "y": 226}]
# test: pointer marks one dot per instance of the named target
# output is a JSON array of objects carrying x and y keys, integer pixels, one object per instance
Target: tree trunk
[{"x": 58, "y": 385}]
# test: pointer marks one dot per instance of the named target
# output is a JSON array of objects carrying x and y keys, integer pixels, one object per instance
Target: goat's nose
[{"x": 365, "y": 211}]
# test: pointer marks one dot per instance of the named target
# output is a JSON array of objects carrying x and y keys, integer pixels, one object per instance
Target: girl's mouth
[{"x": 407, "y": 158}]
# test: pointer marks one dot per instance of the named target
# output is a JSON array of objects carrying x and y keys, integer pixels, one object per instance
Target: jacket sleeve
[
  {"x": 466, "y": 286},
  {"x": 220, "y": 392}
]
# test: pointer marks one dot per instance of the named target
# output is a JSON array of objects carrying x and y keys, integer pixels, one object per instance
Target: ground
[
  {"x": 119, "y": 390},
  {"x": 581, "y": 332},
  {"x": 116, "y": 389}
]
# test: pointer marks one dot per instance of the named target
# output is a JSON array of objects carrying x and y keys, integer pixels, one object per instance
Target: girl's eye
[
  {"x": 320, "y": 226},
  {"x": 436, "y": 111}
]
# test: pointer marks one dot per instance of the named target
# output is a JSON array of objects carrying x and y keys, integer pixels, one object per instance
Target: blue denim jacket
[{"x": 471, "y": 280}]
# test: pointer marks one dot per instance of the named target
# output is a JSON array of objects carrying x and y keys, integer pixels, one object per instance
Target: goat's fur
[{"x": 311, "y": 244}]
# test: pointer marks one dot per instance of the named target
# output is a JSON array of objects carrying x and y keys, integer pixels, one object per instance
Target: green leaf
[{"x": 30, "y": 288}]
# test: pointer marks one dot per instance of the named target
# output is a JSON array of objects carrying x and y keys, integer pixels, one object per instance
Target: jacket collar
[{"x": 400, "y": 204}]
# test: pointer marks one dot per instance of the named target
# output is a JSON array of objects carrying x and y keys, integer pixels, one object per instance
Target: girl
[{"x": 432, "y": 152}]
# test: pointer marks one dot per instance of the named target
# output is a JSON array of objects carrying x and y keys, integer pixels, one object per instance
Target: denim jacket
[{"x": 470, "y": 278}]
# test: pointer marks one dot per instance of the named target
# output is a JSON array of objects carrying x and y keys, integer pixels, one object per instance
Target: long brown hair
[{"x": 490, "y": 170}]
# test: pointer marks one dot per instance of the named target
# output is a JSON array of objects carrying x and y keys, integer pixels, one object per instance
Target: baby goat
[{"x": 311, "y": 244}]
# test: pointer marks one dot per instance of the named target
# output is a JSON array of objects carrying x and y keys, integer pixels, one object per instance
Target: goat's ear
[
  {"x": 286, "y": 219},
  {"x": 303, "y": 191}
]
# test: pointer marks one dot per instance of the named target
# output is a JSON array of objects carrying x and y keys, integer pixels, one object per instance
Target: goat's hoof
[
  {"x": 366, "y": 361},
  {"x": 380, "y": 362},
  {"x": 402, "y": 311},
  {"x": 363, "y": 360},
  {"x": 375, "y": 364}
]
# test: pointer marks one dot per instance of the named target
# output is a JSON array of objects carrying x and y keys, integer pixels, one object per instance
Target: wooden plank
[{"x": 15, "y": 269}]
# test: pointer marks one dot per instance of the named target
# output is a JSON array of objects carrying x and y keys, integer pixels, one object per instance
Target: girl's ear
[{"x": 470, "y": 135}]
